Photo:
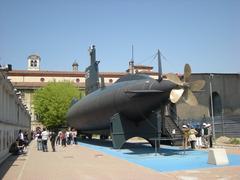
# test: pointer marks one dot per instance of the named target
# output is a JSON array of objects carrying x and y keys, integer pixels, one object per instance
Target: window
[
  {"x": 42, "y": 79},
  {"x": 32, "y": 63},
  {"x": 35, "y": 63}
]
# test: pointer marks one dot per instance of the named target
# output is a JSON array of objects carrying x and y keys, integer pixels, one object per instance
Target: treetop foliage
[{"x": 52, "y": 102}]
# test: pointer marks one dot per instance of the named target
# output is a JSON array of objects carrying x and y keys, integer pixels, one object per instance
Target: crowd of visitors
[
  {"x": 198, "y": 137},
  {"x": 63, "y": 137}
]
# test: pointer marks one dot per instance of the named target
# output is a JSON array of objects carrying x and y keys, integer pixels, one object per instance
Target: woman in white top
[{"x": 45, "y": 136}]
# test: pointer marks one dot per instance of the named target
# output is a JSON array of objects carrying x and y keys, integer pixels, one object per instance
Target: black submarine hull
[{"x": 134, "y": 99}]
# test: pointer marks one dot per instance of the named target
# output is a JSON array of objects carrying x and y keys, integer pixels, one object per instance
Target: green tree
[{"x": 52, "y": 102}]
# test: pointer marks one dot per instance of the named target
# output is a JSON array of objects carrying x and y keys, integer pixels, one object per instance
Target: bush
[
  {"x": 235, "y": 141},
  {"x": 223, "y": 140}
]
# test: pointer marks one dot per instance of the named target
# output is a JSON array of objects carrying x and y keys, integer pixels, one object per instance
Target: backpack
[
  {"x": 205, "y": 131},
  {"x": 13, "y": 148}
]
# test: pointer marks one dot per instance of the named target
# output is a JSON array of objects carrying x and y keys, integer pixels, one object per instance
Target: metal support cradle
[{"x": 159, "y": 139}]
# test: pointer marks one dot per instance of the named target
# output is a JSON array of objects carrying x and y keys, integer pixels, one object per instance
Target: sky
[{"x": 203, "y": 33}]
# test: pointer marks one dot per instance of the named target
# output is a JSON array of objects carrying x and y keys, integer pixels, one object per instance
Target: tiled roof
[
  {"x": 67, "y": 73},
  {"x": 46, "y": 73}
]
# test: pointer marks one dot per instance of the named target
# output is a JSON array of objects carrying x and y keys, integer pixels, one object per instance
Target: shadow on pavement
[
  {"x": 108, "y": 143},
  {"x": 97, "y": 142},
  {"x": 136, "y": 148},
  {"x": 6, "y": 164}
]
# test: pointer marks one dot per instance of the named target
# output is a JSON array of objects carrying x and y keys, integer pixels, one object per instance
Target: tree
[{"x": 52, "y": 102}]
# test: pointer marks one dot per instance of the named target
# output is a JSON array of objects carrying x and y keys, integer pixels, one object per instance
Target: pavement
[
  {"x": 168, "y": 158},
  {"x": 86, "y": 163}
]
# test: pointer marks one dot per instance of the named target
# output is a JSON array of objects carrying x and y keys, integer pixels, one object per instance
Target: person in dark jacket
[
  {"x": 53, "y": 136},
  {"x": 210, "y": 135}
]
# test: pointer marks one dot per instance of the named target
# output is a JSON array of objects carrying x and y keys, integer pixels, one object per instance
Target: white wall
[{"x": 13, "y": 116}]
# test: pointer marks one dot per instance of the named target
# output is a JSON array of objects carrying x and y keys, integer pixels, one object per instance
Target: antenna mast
[
  {"x": 159, "y": 66},
  {"x": 131, "y": 63}
]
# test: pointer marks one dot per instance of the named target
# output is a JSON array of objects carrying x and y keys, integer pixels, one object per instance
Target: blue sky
[{"x": 203, "y": 33}]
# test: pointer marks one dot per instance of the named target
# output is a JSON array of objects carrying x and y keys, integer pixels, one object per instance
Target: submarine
[{"x": 132, "y": 106}]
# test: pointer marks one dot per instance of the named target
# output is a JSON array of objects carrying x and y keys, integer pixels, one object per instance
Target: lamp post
[{"x": 211, "y": 99}]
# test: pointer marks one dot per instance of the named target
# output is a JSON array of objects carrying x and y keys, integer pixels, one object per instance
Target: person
[
  {"x": 53, "y": 136},
  {"x": 45, "y": 135},
  {"x": 32, "y": 134},
  {"x": 192, "y": 138},
  {"x": 20, "y": 138},
  {"x": 63, "y": 138},
  {"x": 199, "y": 136},
  {"x": 15, "y": 149},
  {"x": 209, "y": 135},
  {"x": 26, "y": 140},
  {"x": 59, "y": 140},
  {"x": 68, "y": 137},
  {"x": 205, "y": 135},
  {"x": 185, "y": 130},
  {"x": 74, "y": 134},
  {"x": 39, "y": 140}
]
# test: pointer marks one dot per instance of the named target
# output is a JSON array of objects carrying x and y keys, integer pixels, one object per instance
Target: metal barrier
[{"x": 227, "y": 126}]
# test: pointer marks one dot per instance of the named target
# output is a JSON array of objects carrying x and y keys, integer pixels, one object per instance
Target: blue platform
[{"x": 168, "y": 159}]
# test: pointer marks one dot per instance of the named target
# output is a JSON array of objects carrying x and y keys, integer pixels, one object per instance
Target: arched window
[
  {"x": 77, "y": 80},
  {"x": 110, "y": 80},
  {"x": 217, "y": 104}
]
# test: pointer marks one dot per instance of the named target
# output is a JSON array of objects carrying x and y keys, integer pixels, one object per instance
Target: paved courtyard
[{"x": 88, "y": 161}]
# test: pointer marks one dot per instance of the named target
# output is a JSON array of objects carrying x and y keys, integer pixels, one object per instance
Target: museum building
[
  {"x": 27, "y": 81},
  {"x": 218, "y": 101}
]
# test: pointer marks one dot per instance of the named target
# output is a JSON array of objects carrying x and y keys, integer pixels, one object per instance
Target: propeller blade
[
  {"x": 190, "y": 98},
  {"x": 175, "y": 95},
  {"x": 187, "y": 72},
  {"x": 197, "y": 85},
  {"x": 187, "y": 87},
  {"x": 174, "y": 78}
]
